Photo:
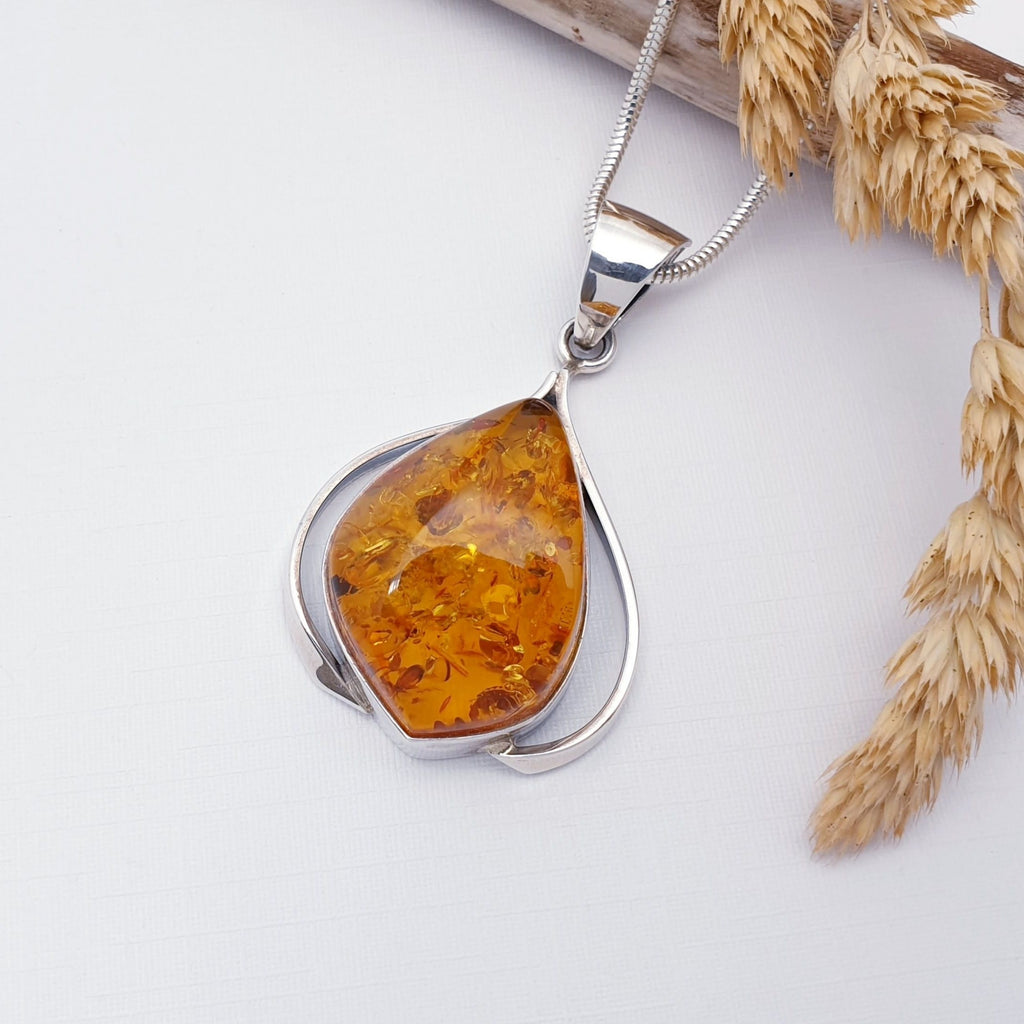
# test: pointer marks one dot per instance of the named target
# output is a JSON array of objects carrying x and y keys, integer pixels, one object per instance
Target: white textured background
[{"x": 242, "y": 242}]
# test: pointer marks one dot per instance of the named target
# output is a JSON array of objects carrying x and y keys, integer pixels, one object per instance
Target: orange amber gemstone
[{"x": 458, "y": 576}]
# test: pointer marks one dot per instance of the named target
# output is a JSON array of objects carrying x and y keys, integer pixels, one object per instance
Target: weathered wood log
[{"x": 690, "y": 66}]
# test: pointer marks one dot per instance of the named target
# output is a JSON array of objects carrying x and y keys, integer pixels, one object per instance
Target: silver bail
[{"x": 627, "y": 250}]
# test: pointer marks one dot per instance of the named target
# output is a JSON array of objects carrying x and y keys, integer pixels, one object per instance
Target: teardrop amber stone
[{"x": 458, "y": 577}]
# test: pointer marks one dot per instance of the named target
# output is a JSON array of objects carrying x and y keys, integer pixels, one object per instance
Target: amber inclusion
[{"x": 457, "y": 579}]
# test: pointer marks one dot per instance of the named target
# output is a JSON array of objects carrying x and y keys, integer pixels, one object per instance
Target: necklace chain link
[{"x": 633, "y": 103}]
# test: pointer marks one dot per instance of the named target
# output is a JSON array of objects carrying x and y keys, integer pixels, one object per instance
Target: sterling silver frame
[{"x": 341, "y": 676}]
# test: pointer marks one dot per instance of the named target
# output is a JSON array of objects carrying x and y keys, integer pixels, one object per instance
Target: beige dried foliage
[
  {"x": 924, "y": 12},
  {"x": 978, "y": 556},
  {"x": 904, "y": 147},
  {"x": 910, "y": 147},
  {"x": 943, "y": 672},
  {"x": 972, "y": 203},
  {"x": 916, "y": 19},
  {"x": 935, "y": 719},
  {"x": 855, "y": 162},
  {"x": 993, "y": 422},
  {"x": 1011, "y": 315},
  {"x": 784, "y": 52},
  {"x": 972, "y": 581}
]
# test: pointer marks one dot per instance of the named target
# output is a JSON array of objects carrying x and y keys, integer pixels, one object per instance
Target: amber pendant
[{"x": 448, "y": 597}]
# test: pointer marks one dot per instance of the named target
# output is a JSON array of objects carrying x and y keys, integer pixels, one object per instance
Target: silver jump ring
[{"x": 576, "y": 360}]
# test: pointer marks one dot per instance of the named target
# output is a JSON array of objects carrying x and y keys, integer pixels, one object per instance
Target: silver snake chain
[{"x": 639, "y": 86}]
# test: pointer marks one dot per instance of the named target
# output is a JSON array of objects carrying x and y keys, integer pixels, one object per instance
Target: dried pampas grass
[
  {"x": 911, "y": 147},
  {"x": 784, "y": 49}
]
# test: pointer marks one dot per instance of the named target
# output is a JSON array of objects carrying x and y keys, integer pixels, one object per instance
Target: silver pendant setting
[{"x": 627, "y": 250}]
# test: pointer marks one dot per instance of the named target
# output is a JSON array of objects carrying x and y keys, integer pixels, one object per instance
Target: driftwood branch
[{"x": 690, "y": 66}]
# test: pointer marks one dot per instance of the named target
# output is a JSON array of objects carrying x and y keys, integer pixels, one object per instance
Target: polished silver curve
[
  {"x": 531, "y": 759},
  {"x": 627, "y": 250}
]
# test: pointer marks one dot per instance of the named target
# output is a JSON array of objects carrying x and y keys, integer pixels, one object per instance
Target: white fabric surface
[{"x": 243, "y": 242}]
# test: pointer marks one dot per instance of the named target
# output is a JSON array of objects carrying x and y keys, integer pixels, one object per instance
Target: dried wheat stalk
[
  {"x": 908, "y": 145},
  {"x": 911, "y": 147},
  {"x": 972, "y": 581}
]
